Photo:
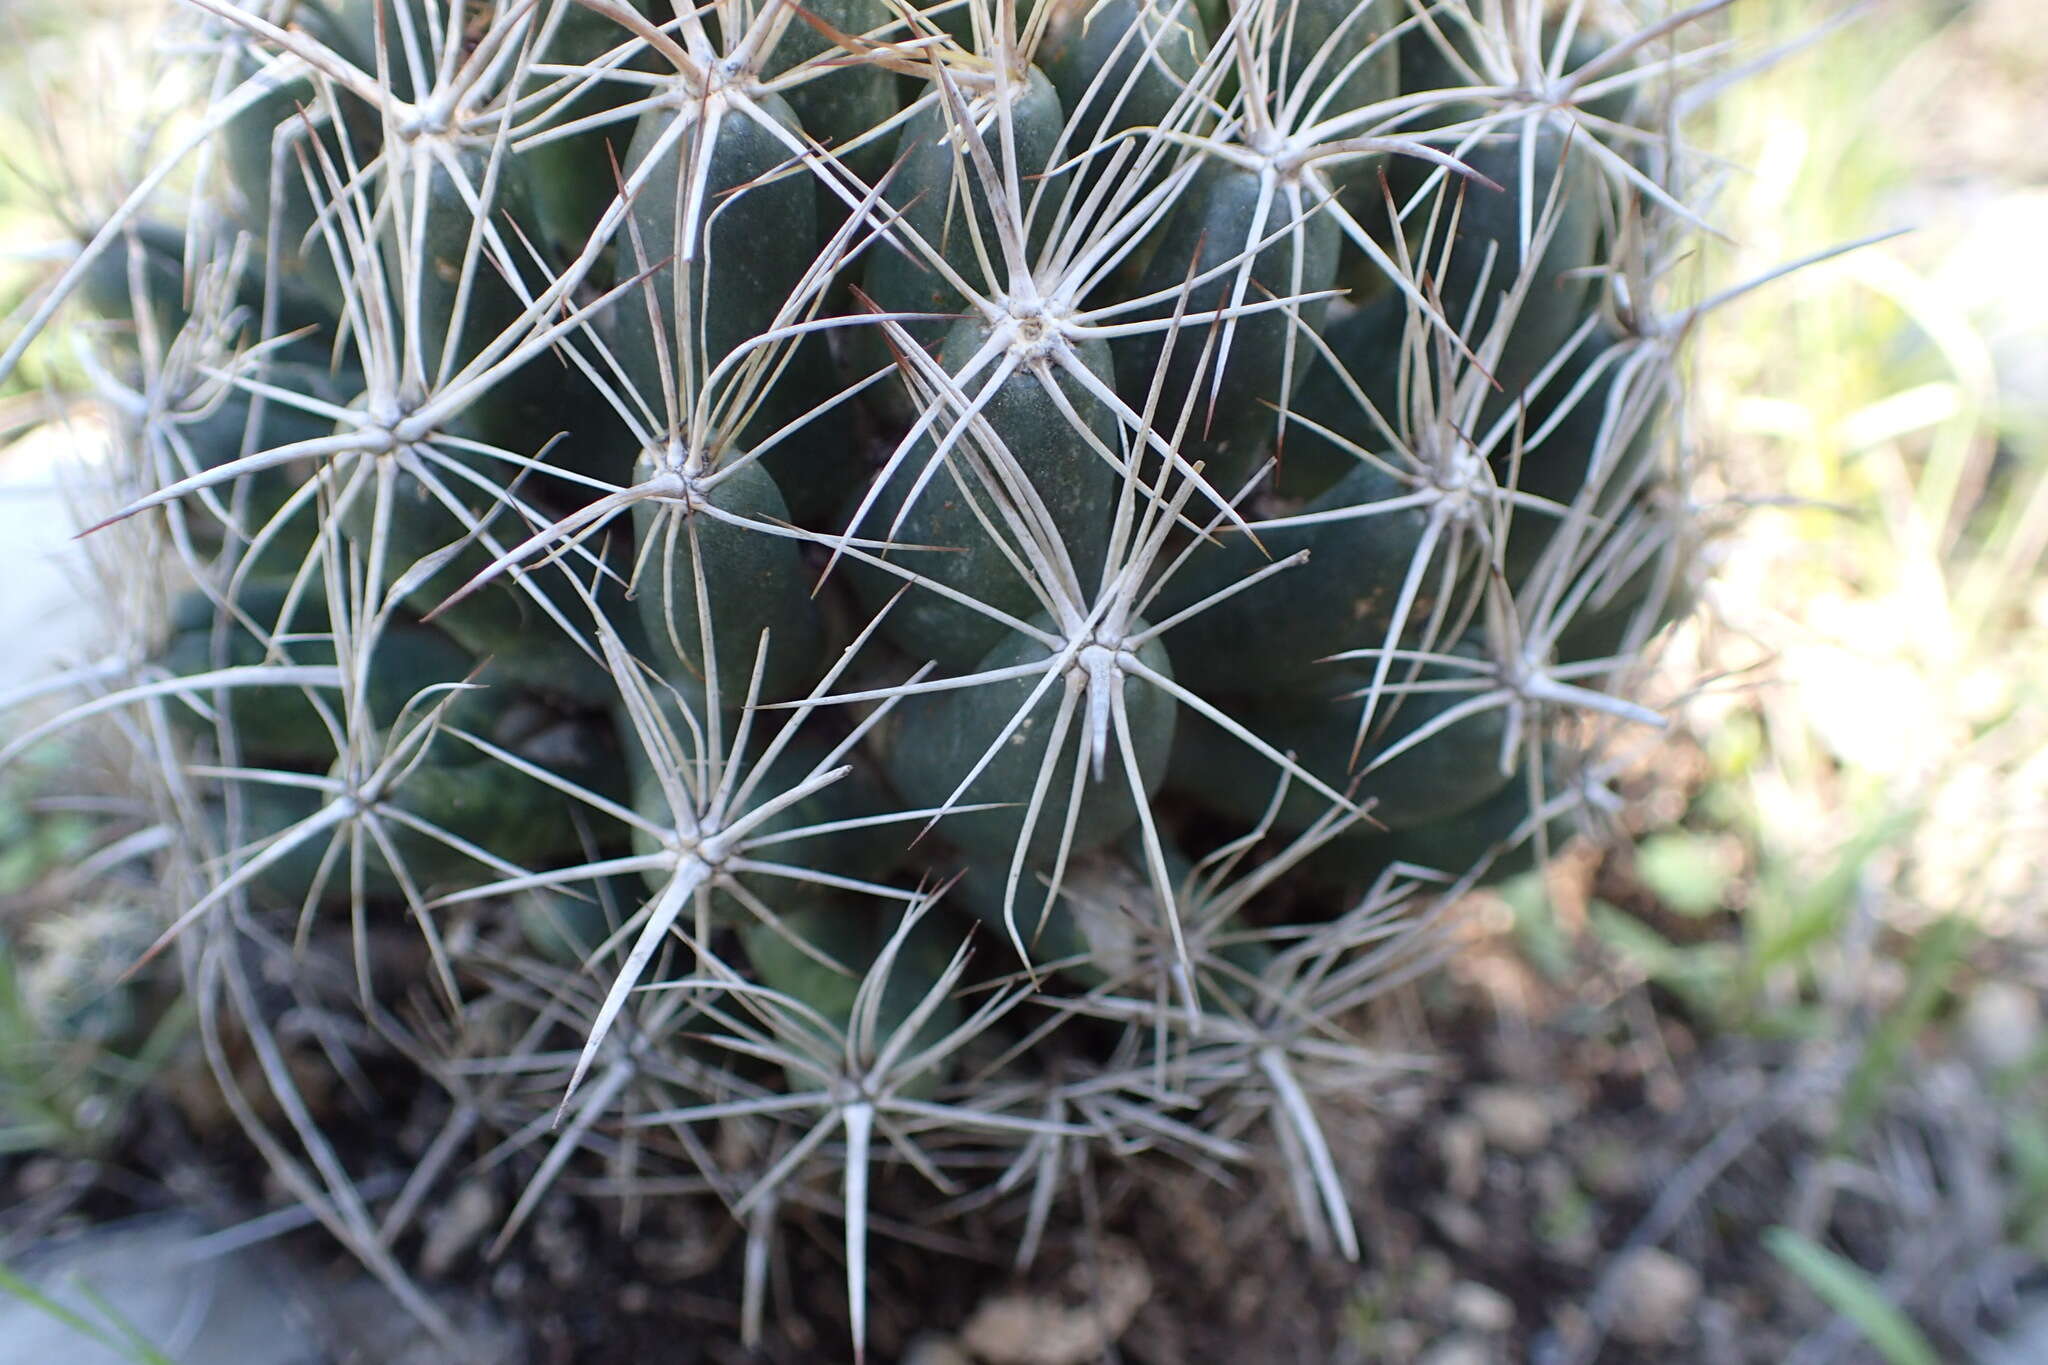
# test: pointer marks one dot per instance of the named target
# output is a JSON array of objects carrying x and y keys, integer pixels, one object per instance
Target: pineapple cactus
[{"x": 794, "y": 588}]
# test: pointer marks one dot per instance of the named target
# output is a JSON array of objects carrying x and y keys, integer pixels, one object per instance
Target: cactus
[{"x": 892, "y": 587}]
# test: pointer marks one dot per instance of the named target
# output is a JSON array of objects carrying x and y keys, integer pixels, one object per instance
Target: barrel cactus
[{"x": 801, "y": 588}]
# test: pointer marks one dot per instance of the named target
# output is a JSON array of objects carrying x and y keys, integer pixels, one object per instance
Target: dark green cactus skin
[
  {"x": 931, "y": 742},
  {"x": 1452, "y": 771},
  {"x": 515, "y": 817},
  {"x": 854, "y": 936},
  {"x": 1271, "y": 635},
  {"x": 212, "y": 428},
  {"x": 566, "y": 929},
  {"x": 1051, "y": 932},
  {"x": 847, "y": 102},
  {"x": 1326, "y": 57},
  {"x": 1102, "y": 73},
  {"x": 280, "y": 724},
  {"x": 1482, "y": 264},
  {"x": 933, "y": 205},
  {"x": 760, "y": 233},
  {"x": 754, "y": 582},
  {"x": 1073, "y": 481},
  {"x": 152, "y": 256},
  {"x": 249, "y": 146},
  {"x": 445, "y": 237},
  {"x": 1097, "y": 931},
  {"x": 1556, "y": 467},
  {"x": 497, "y": 620},
  {"x": 1647, "y": 599},
  {"x": 1452, "y": 847},
  {"x": 863, "y": 854},
  {"x": 1215, "y": 224},
  {"x": 1118, "y": 67},
  {"x": 574, "y": 178},
  {"x": 1367, "y": 347},
  {"x": 1485, "y": 257}
]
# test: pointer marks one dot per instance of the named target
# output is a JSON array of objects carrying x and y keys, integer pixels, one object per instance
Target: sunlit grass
[
  {"x": 82, "y": 102},
  {"x": 1891, "y": 587}
]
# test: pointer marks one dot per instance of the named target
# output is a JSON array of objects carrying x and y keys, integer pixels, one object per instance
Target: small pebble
[
  {"x": 1480, "y": 1308},
  {"x": 457, "y": 1226},
  {"x": 933, "y": 1350},
  {"x": 508, "y": 1281},
  {"x": 1461, "y": 1143},
  {"x": 1431, "y": 1276},
  {"x": 1654, "y": 1296},
  {"x": 2001, "y": 1025},
  {"x": 1397, "y": 1341},
  {"x": 1459, "y": 1224},
  {"x": 1611, "y": 1169},
  {"x": 1033, "y": 1329},
  {"x": 1461, "y": 1348},
  {"x": 1514, "y": 1120}
]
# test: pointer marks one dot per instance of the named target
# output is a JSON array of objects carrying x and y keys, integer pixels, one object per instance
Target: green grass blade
[{"x": 1849, "y": 1291}]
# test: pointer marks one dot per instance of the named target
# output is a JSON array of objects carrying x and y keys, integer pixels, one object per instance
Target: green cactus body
[
  {"x": 1100, "y": 928},
  {"x": 853, "y": 937},
  {"x": 1230, "y": 421},
  {"x": 1486, "y": 257},
  {"x": 574, "y": 178},
  {"x": 109, "y": 289},
  {"x": 268, "y": 814},
  {"x": 753, "y": 241},
  {"x": 931, "y": 742},
  {"x": 1500, "y": 828},
  {"x": 269, "y": 175},
  {"x": 1474, "y": 254},
  {"x": 567, "y": 928},
  {"x": 1119, "y": 66},
  {"x": 1424, "y": 69},
  {"x": 425, "y": 253},
  {"x": 1052, "y": 933},
  {"x": 498, "y": 620},
  {"x": 280, "y": 724},
  {"x": 753, "y": 581},
  {"x": 847, "y": 101},
  {"x": 1269, "y": 637},
  {"x": 1071, "y": 480},
  {"x": 1332, "y": 53},
  {"x": 861, "y": 854},
  {"x": 210, "y": 429},
  {"x": 484, "y": 803},
  {"x": 1619, "y": 605},
  {"x": 755, "y": 233},
  {"x": 1598, "y": 445},
  {"x": 1032, "y": 619},
  {"x": 1366, "y": 347},
  {"x": 942, "y": 199},
  {"x": 1451, "y": 771},
  {"x": 479, "y": 801}
]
